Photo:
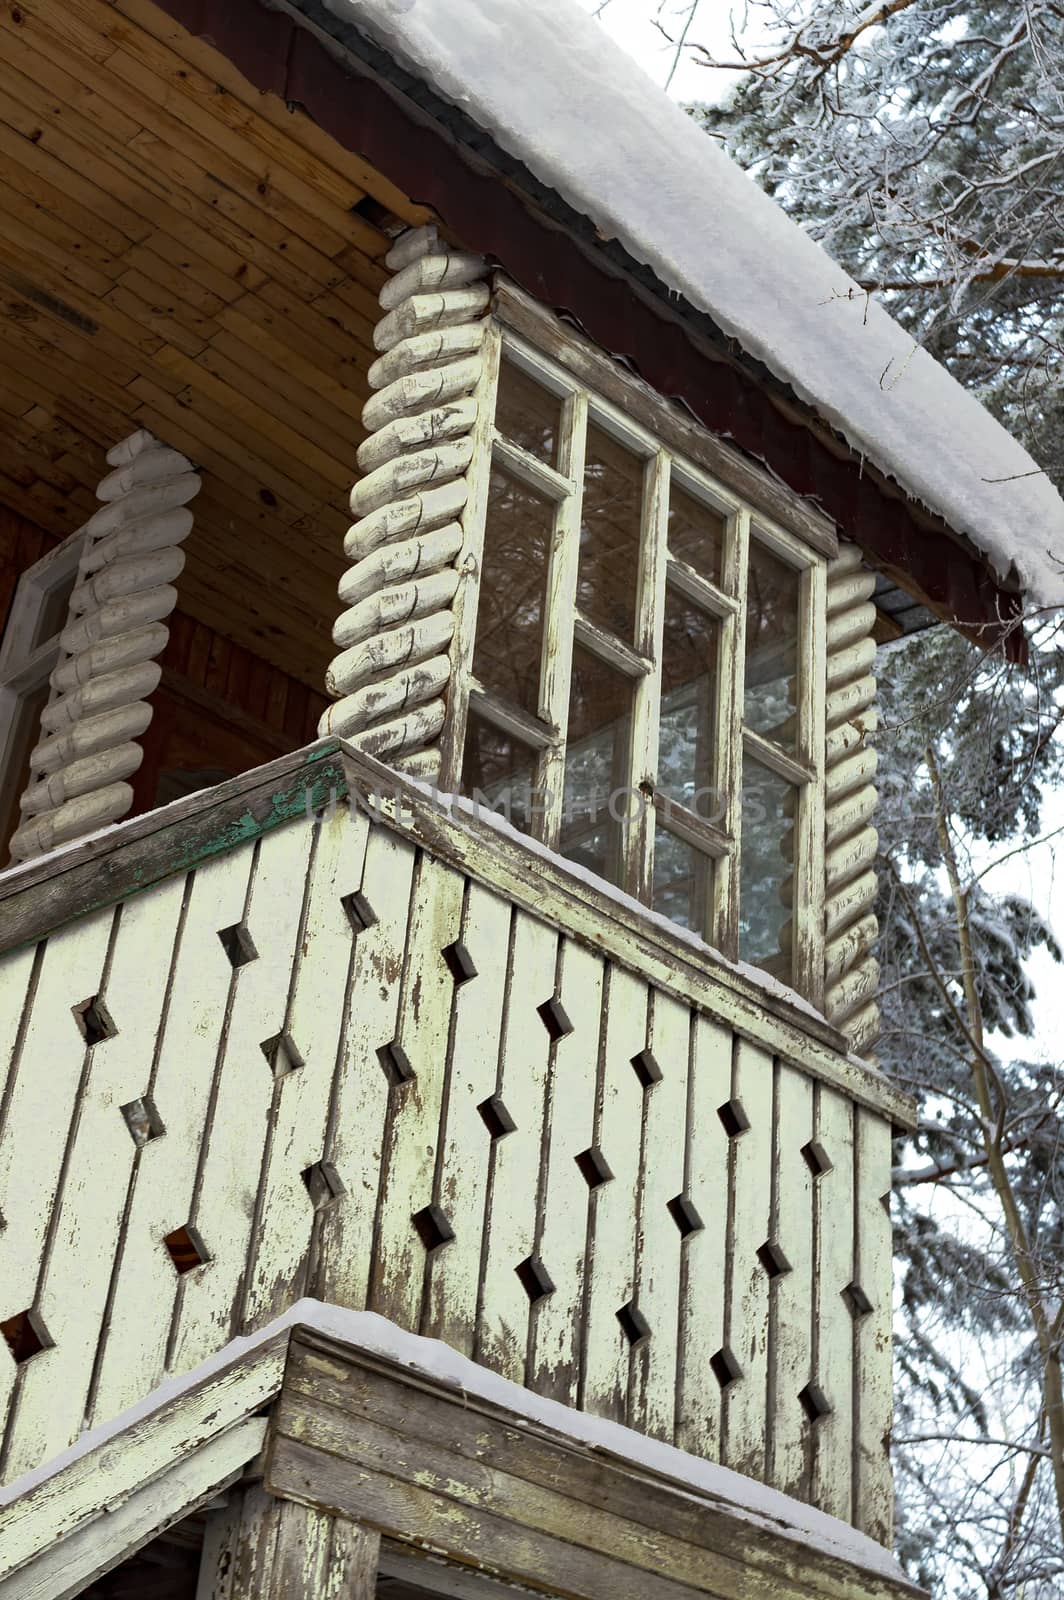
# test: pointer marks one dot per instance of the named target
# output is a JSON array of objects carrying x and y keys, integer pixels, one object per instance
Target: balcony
[{"x": 319, "y": 1032}]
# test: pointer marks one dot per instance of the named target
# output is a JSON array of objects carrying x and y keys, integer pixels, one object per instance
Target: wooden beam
[
  {"x": 119, "y": 1528},
  {"x": 259, "y": 1547},
  {"x": 429, "y": 1465}
]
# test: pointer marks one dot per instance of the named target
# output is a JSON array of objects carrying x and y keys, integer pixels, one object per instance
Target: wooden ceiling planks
[{"x": 181, "y": 251}]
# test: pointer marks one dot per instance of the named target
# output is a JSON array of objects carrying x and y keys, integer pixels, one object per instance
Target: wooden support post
[
  {"x": 115, "y": 631},
  {"x": 260, "y": 1547},
  {"x": 419, "y": 507},
  {"x": 851, "y": 972}
]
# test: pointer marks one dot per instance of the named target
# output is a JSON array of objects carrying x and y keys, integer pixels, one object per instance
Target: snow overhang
[
  {"x": 689, "y": 294},
  {"x": 586, "y": 121}
]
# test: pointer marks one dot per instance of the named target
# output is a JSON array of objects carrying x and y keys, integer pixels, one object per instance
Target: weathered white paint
[
  {"x": 416, "y": 520},
  {"x": 109, "y": 647},
  {"x": 259, "y": 1547},
  {"x": 851, "y": 973},
  {"x": 87, "y": 1209}
]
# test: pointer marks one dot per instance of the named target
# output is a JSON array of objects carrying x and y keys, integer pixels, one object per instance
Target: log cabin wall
[{"x": 219, "y": 710}]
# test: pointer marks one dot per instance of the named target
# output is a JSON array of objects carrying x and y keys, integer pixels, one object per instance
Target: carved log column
[
  {"x": 851, "y": 971},
  {"x": 418, "y": 506},
  {"x": 260, "y": 1547},
  {"x": 108, "y": 662}
]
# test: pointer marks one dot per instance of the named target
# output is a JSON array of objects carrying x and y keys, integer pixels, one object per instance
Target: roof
[
  {"x": 586, "y": 121},
  {"x": 129, "y": 1476}
]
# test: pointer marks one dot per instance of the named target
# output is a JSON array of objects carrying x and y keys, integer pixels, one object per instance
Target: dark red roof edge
[{"x": 279, "y": 56}]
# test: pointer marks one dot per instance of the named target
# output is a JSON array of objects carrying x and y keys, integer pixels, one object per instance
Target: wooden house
[{"x": 441, "y": 1145}]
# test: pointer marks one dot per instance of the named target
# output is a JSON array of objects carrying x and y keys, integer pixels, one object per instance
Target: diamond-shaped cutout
[
  {"x": 459, "y": 962},
  {"x": 646, "y": 1068},
  {"x": 733, "y": 1117},
  {"x": 594, "y": 1167},
  {"x": 238, "y": 945},
  {"x": 555, "y": 1018},
  {"x": 395, "y": 1063},
  {"x": 186, "y": 1249},
  {"x": 816, "y": 1158},
  {"x": 773, "y": 1259},
  {"x": 815, "y": 1402},
  {"x": 433, "y": 1227},
  {"x": 26, "y": 1335},
  {"x": 360, "y": 914},
  {"x": 94, "y": 1020},
  {"x": 725, "y": 1368},
  {"x": 685, "y": 1216},
  {"x": 535, "y": 1280},
  {"x": 282, "y": 1055},
  {"x": 323, "y": 1184},
  {"x": 635, "y": 1325},
  {"x": 857, "y": 1301},
  {"x": 495, "y": 1116},
  {"x": 143, "y": 1120}
]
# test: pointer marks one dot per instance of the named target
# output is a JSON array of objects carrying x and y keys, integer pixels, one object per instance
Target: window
[
  {"x": 647, "y": 672},
  {"x": 29, "y": 651}
]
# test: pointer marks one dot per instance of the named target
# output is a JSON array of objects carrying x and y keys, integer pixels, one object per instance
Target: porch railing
[{"x": 314, "y": 1032}]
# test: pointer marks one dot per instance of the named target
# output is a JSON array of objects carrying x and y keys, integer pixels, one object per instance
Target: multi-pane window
[{"x": 645, "y": 672}]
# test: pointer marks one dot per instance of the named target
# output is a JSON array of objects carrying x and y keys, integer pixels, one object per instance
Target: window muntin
[{"x": 681, "y": 657}]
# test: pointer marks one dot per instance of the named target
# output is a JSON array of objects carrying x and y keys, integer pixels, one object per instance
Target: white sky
[{"x": 631, "y": 23}]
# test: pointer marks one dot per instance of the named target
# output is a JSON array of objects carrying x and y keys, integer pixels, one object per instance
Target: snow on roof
[{"x": 545, "y": 80}]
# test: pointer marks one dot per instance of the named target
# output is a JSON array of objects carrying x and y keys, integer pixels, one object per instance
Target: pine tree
[{"x": 922, "y": 142}]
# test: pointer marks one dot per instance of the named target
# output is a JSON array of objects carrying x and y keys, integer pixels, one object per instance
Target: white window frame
[
  {"x": 26, "y": 666},
  {"x": 564, "y": 625}
]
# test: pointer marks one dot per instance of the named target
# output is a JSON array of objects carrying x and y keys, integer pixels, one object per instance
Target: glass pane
[
  {"x": 25, "y": 735},
  {"x": 772, "y": 647},
  {"x": 517, "y": 542},
  {"x": 683, "y": 881},
  {"x": 688, "y": 695},
  {"x": 595, "y": 798},
  {"x": 527, "y": 414},
  {"x": 609, "y": 534},
  {"x": 696, "y": 533},
  {"x": 52, "y": 617},
  {"x": 498, "y": 771},
  {"x": 766, "y": 868}
]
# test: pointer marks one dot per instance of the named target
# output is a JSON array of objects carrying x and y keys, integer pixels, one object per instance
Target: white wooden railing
[{"x": 391, "y": 1058}]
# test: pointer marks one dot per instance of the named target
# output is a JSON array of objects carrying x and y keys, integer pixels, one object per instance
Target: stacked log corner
[
  {"x": 395, "y": 638},
  {"x": 850, "y": 927},
  {"x": 98, "y": 706}
]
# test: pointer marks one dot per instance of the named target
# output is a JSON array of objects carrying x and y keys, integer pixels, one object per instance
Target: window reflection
[
  {"x": 595, "y": 799},
  {"x": 527, "y": 414},
  {"x": 766, "y": 868},
  {"x": 683, "y": 881},
  {"x": 609, "y": 534},
  {"x": 696, "y": 533},
  {"x": 772, "y": 647},
  {"x": 498, "y": 772},
  {"x": 517, "y": 541},
  {"x": 687, "y": 733}
]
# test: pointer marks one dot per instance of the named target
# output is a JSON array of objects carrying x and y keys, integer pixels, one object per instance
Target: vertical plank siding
[{"x": 328, "y": 1063}]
